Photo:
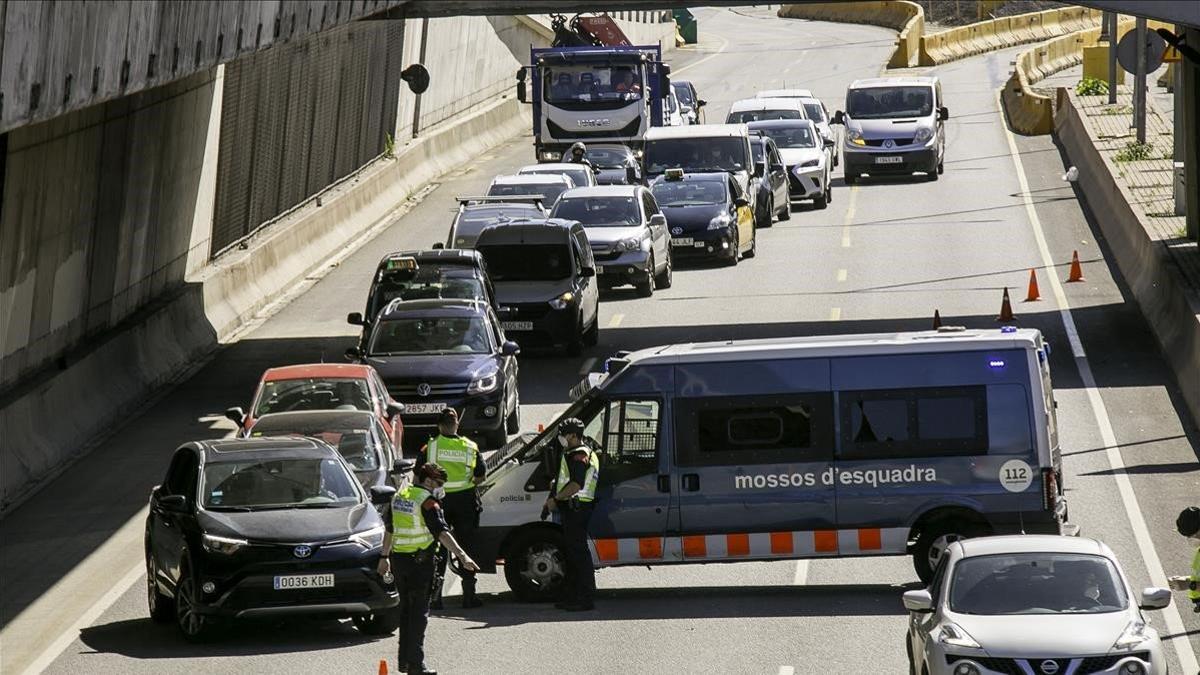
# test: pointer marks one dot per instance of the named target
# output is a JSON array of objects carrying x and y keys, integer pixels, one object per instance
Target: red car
[{"x": 322, "y": 386}]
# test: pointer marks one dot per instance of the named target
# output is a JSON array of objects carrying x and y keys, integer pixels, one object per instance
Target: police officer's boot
[
  {"x": 469, "y": 599},
  {"x": 435, "y": 602}
]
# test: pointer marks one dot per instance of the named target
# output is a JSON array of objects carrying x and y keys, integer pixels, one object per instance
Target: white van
[
  {"x": 894, "y": 125},
  {"x": 699, "y": 148}
]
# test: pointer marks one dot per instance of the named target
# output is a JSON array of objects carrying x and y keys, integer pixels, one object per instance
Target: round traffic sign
[{"x": 1127, "y": 51}]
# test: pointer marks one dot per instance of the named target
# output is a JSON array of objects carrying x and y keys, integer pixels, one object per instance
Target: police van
[{"x": 886, "y": 444}]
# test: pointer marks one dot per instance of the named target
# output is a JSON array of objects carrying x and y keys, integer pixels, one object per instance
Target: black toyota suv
[
  {"x": 436, "y": 354},
  {"x": 258, "y": 528},
  {"x": 429, "y": 274}
]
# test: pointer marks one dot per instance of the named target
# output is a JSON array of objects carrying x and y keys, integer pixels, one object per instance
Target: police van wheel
[
  {"x": 535, "y": 565},
  {"x": 933, "y": 541},
  {"x": 376, "y": 625}
]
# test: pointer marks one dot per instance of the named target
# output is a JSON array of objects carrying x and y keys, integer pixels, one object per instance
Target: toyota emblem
[
  {"x": 1048, "y": 667},
  {"x": 676, "y": 230},
  {"x": 302, "y": 551},
  {"x": 889, "y": 143},
  {"x": 423, "y": 389}
]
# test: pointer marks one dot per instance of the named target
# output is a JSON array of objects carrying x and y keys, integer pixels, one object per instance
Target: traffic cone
[
  {"x": 1033, "y": 295},
  {"x": 1076, "y": 270},
  {"x": 1006, "y": 313},
  {"x": 937, "y": 320},
  {"x": 383, "y": 667},
  {"x": 541, "y": 428}
]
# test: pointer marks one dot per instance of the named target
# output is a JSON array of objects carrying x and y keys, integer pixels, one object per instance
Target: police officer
[
  {"x": 1188, "y": 524},
  {"x": 414, "y": 522},
  {"x": 574, "y": 496},
  {"x": 459, "y": 456},
  {"x": 578, "y": 155}
]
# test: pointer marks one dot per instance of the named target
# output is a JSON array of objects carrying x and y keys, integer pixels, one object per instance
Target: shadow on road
[{"x": 144, "y": 639}]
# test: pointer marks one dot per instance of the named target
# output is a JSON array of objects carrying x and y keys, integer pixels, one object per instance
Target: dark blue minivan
[{"x": 890, "y": 444}]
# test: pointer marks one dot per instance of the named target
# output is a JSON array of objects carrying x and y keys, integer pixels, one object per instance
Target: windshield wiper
[{"x": 228, "y": 508}]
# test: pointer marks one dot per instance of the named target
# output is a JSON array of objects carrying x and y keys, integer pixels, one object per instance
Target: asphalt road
[{"x": 883, "y": 256}]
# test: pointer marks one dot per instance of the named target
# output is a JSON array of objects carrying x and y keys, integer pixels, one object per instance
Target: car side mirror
[
  {"x": 354, "y": 353},
  {"x": 701, "y": 103},
  {"x": 522, "y": 94},
  {"x": 354, "y": 318},
  {"x": 174, "y": 503},
  {"x": 658, "y": 220},
  {"x": 838, "y": 118},
  {"x": 395, "y": 408},
  {"x": 510, "y": 348},
  {"x": 741, "y": 201},
  {"x": 437, "y": 246},
  {"x": 1155, "y": 598},
  {"x": 236, "y": 415},
  {"x": 382, "y": 494},
  {"x": 403, "y": 465},
  {"x": 918, "y": 601},
  {"x": 943, "y": 113}
]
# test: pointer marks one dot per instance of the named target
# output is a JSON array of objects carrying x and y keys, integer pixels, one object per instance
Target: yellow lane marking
[
  {"x": 849, "y": 219},
  {"x": 841, "y": 275},
  {"x": 835, "y": 314},
  {"x": 615, "y": 320}
]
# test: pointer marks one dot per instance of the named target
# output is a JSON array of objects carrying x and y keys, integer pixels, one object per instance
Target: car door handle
[{"x": 691, "y": 482}]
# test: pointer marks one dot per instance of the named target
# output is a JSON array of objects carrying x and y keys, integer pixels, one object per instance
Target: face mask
[
  {"x": 439, "y": 493},
  {"x": 562, "y": 440}
]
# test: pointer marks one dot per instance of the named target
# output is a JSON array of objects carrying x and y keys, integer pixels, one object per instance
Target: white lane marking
[
  {"x": 846, "y": 235},
  {"x": 835, "y": 313},
  {"x": 1137, "y": 521},
  {"x": 841, "y": 275},
  {"x": 67, "y": 637},
  {"x": 615, "y": 320},
  {"x": 787, "y": 670},
  {"x": 724, "y": 44},
  {"x": 587, "y": 366},
  {"x": 800, "y": 578}
]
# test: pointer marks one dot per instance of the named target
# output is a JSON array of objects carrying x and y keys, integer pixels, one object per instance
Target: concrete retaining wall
[
  {"x": 1008, "y": 31},
  {"x": 907, "y": 18},
  {"x": 1143, "y": 261}
]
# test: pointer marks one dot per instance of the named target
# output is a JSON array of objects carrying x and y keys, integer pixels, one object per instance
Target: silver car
[{"x": 1032, "y": 604}]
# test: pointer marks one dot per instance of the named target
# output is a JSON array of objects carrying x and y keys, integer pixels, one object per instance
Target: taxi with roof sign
[{"x": 707, "y": 215}]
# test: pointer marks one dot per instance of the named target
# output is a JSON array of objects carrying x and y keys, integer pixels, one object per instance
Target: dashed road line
[
  {"x": 841, "y": 275},
  {"x": 1137, "y": 520},
  {"x": 787, "y": 670},
  {"x": 835, "y": 314},
  {"x": 616, "y": 320},
  {"x": 800, "y": 578}
]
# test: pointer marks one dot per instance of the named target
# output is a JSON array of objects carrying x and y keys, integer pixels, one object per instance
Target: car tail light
[{"x": 1049, "y": 489}]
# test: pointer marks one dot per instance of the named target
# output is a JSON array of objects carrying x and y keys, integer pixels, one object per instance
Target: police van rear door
[{"x": 753, "y": 460}]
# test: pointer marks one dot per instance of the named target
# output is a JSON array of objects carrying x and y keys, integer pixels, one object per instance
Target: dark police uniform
[{"x": 579, "y": 465}]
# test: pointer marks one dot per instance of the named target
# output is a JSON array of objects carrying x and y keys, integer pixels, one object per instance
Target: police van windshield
[
  {"x": 1036, "y": 583},
  {"x": 758, "y": 115},
  {"x": 886, "y": 102},
  {"x": 725, "y": 153},
  {"x": 795, "y": 137},
  {"x": 599, "y": 211},
  {"x": 431, "y": 335},
  {"x": 582, "y": 83},
  {"x": 690, "y": 193},
  {"x": 527, "y": 262}
]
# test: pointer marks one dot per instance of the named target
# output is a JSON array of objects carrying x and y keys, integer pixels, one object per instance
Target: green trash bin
[{"x": 685, "y": 21}]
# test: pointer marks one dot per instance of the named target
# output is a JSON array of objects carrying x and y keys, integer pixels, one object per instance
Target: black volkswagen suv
[
  {"x": 246, "y": 528},
  {"x": 436, "y": 354}
]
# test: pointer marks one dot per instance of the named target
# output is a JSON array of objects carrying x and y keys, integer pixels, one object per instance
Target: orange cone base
[{"x": 1034, "y": 294}]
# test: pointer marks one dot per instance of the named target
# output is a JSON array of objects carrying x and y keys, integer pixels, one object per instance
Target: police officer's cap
[
  {"x": 1188, "y": 522},
  {"x": 448, "y": 415},
  {"x": 571, "y": 425}
]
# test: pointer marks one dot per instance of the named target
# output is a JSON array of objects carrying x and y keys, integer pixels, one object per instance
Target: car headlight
[
  {"x": 369, "y": 539},
  {"x": 484, "y": 384},
  {"x": 923, "y": 134},
  {"x": 855, "y": 136},
  {"x": 562, "y": 301},
  {"x": 632, "y": 244},
  {"x": 1132, "y": 637},
  {"x": 223, "y": 545},
  {"x": 720, "y": 222},
  {"x": 550, "y": 156},
  {"x": 953, "y": 636}
]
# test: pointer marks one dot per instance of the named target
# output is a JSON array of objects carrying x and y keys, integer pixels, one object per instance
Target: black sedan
[
  {"x": 250, "y": 528},
  {"x": 706, "y": 215},
  {"x": 357, "y": 434},
  {"x": 435, "y": 354}
]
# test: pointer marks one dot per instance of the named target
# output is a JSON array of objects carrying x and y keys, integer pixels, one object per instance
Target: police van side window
[
  {"x": 754, "y": 429},
  {"x": 930, "y": 421},
  {"x": 626, "y": 432}
]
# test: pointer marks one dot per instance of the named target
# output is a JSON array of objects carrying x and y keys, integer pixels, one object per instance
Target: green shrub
[
  {"x": 1134, "y": 151},
  {"x": 1090, "y": 86}
]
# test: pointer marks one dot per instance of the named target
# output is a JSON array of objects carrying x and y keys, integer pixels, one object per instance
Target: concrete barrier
[
  {"x": 907, "y": 18},
  {"x": 53, "y": 423},
  {"x": 1144, "y": 262},
  {"x": 1004, "y": 32}
]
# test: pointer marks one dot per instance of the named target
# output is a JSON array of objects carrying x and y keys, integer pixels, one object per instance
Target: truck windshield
[
  {"x": 727, "y": 153},
  {"x": 527, "y": 262},
  {"x": 581, "y": 83},
  {"x": 887, "y": 102}
]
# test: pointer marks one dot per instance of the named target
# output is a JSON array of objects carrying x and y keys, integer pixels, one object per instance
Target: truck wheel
[
  {"x": 162, "y": 608},
  {"x": 535, "y": 565},
  {"x": 664, "y": 280},
  {"x": 935, "y": 537},
  {"x": 378, "y": 624}
]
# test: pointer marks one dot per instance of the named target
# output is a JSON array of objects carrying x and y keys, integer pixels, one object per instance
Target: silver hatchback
[{"x": 1033, "y": 604}]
